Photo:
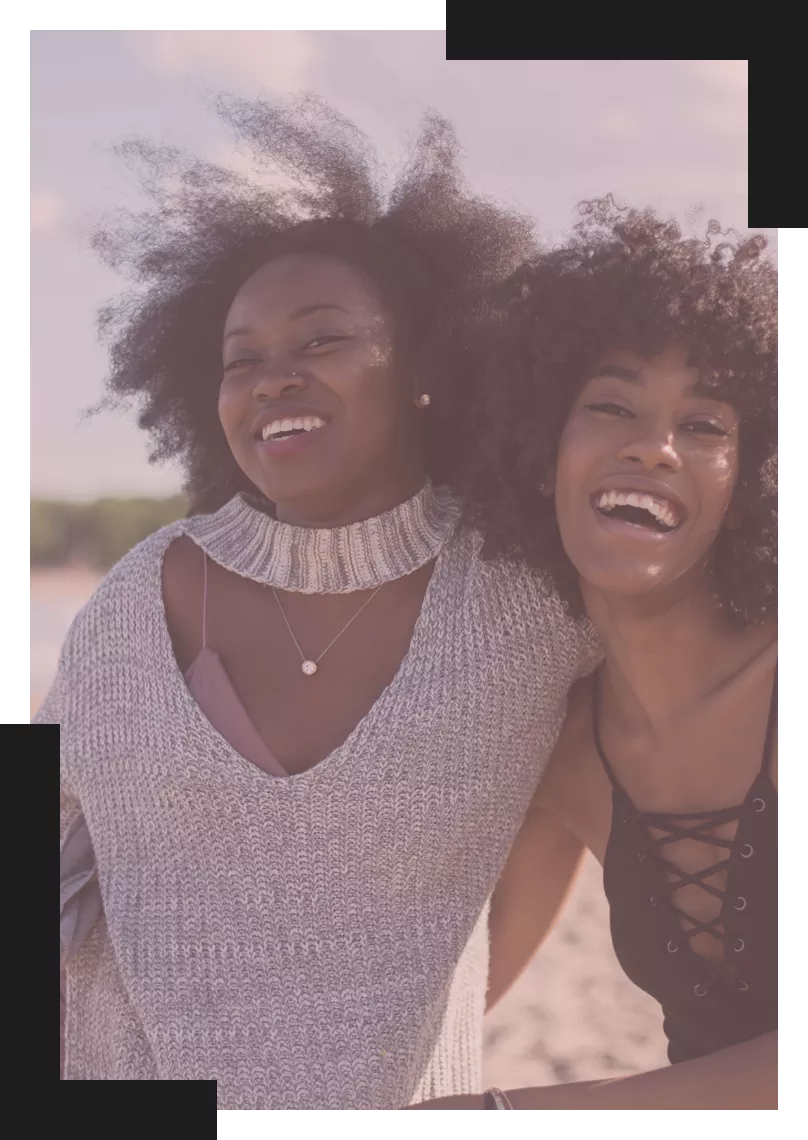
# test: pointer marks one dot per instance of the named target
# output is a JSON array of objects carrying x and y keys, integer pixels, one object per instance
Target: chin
[
  {"x": 289, "y": 485},
  {"x": 642, "y": 584},
  {"x": 625, "y": 581},
  {"x": 624, "y": 586}
]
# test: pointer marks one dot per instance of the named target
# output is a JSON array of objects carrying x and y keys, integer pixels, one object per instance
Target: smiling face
[
  {"x": 646, "y": 469},
  {"x": 308, "y": 402}
]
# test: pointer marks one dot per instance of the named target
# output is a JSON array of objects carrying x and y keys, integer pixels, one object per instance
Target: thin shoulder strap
[
  {"x": 596, "y": 729},
  {"x": 770, "y": 727},
  {"x": 204, "y": 599}
]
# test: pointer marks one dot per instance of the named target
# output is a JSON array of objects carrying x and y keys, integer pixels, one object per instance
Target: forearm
[
  {"x": 525, "y": 906},
  {"x": 743, "y": 1076}
]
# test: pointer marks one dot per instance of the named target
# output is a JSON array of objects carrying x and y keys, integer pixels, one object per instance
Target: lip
[
  {"x": 631, "y": 531},
  {"x": 294, "y": 443},
  {"x": 644, "y": 487},
  {"x": 641, "y": 487},
  {"x": 285, "y": 412}
]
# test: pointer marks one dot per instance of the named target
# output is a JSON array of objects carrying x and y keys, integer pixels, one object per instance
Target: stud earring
[{"x": 425, "y": 400}]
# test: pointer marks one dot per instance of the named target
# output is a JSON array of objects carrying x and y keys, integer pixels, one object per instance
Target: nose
[
  {"x": 277, "y": 382},
  {"x": 652, "y": 450}
]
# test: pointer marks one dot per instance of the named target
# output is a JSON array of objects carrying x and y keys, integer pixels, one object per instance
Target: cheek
[
  {"x": 369, "y": 391},
  {"x": 355, "y": 370},
  {"x": 233, "y": 406},
  {"x": 377, "y": 346},
  {"x": 718, "y": 477},
  {"x": 577, "y": 452},
  {"x": 379, "y": 414},
  {"x": 379, "y": 355}
]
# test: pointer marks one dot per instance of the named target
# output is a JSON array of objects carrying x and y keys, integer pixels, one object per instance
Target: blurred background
[{"x": 539, "y": 134}]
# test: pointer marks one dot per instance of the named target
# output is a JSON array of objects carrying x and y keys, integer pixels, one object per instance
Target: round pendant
[{"x": 309, "y": 668}]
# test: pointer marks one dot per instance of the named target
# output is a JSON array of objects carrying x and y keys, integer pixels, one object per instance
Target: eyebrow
[
  {"x": 630, "y": 375},
  {"x": 297, "y": 315}
]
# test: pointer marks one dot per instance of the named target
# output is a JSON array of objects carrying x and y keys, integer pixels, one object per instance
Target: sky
[{"x": 537, "y": 134}]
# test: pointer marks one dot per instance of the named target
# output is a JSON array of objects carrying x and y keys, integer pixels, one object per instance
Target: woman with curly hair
[
  {"x": 299, "y": 728},
  {"x": 625, "y": 409}
]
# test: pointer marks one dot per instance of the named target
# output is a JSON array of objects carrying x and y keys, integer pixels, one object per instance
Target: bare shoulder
[
  {"x": 575, "y": 786},
  {"x": 571, "y": 754},
  {"x": 182, "y": 561},
  {"x": 183, "y": 566}
]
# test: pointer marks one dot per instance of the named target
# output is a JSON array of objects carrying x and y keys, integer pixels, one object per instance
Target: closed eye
[
  {"x": 610, "y": 410},
  {"x": 705, "y": 427},
  {"x": 321, "y": 341},
  {"x": 240, "y": 363}
]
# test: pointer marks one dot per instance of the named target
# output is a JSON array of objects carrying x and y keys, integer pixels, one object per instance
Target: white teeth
[
  {"x": 283, "y": 427},
  {"x": 659, "y": 508}
]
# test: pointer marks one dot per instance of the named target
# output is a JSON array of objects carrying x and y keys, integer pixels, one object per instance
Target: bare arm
[
  {"x": 543, "y": 862},
  {"x": 529, "y": 896},
  {"x": 742, "y": 1076}
]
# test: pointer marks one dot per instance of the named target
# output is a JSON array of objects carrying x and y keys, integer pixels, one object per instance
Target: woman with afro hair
[
  {"x": 624, "y": 409},
  {"x": 300, "y": 728}
]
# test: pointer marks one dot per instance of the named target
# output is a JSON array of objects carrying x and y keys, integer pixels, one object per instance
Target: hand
[{"x": 467, "y": 1101}]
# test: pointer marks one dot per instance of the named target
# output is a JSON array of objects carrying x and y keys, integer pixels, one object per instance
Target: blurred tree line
[{"x": 96, "y": 534}]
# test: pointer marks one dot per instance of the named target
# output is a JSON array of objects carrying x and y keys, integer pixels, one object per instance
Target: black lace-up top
[{"x": 707, "y": 1003}]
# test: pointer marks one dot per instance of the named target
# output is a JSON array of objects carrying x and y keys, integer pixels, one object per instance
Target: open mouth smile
[
  {"x": 639, "y": 510},
  {"x": 277, "y": 433},
  {"x": 289, "y": 427}
]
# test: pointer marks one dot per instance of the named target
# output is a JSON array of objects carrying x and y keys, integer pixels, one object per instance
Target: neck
[
  {"x": 354, "y": 504},
  {"x": 664, "y": 651}
]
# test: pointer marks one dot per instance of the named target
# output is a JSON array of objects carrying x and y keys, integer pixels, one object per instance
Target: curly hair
[
  {"x": 625, "y": 278},
  {"x": 428, "y": 245}
]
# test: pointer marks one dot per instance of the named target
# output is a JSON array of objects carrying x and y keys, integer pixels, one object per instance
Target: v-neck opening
[{"x": 198, "y": 718}]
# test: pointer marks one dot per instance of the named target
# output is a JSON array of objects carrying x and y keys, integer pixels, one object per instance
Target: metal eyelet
[
  {"x": 740, "y": 899},
  {"x": 699, "y": 990},
  {"x": 747, "y": 851},
  {"x": 762, "y": 803},
  {"x": 640, "y": 856},
  {"x": 739, "y": 945},
  {"x": 673, "y": 947},
  {"x": 743, "y": 986}
]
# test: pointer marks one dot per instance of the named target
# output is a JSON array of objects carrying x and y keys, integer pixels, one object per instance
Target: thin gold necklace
[{"x": 309, "y": 667}]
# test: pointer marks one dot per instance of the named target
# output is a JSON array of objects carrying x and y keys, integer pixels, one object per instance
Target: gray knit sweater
[{"x": 318, "y": 941}]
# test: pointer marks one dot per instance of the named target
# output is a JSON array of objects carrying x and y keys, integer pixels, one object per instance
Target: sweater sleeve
[
  {"x": 590, "y": 651},
  {"x": 50, "y": 712}
]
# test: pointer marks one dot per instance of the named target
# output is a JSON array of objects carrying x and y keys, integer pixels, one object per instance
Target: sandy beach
[{"x": 573, "y": 1015}]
